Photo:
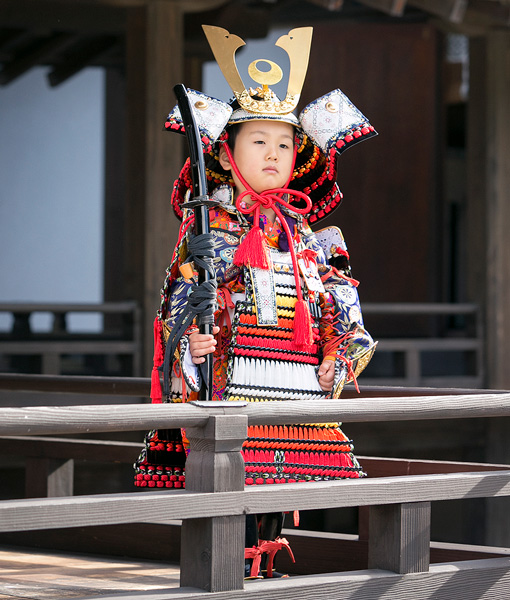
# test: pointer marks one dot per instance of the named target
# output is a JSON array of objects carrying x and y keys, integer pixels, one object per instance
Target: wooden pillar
[
  {"x": 489, "y": 196},
  {"x": 154, "y": 66},
  {"x": 489, "y": 241},
  {"x": 399, "y": 537},
  {"x": 48, "y": 477},
  {"x": 498, "y": 210},
  {"x": 212, "y": 550},
  {"x": 114, "y": 188}
]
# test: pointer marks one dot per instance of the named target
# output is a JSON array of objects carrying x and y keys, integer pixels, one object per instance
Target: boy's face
[{"x": 264, "y": 154}]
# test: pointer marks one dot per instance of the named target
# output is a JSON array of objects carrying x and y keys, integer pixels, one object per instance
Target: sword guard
[{"x": 200, "y": 201}]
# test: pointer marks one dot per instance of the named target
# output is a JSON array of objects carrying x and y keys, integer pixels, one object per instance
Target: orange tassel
[{"x": 253, "y": 250}]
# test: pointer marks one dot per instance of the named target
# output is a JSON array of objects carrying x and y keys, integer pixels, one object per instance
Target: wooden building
[{"x": 426, "y": 203}]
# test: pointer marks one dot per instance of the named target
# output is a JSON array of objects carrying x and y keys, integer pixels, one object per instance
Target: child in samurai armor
[{"x": 288, "y": 324}]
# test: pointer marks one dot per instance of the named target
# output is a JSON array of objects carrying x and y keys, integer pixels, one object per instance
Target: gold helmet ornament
[{"x": 263, "y": 101}]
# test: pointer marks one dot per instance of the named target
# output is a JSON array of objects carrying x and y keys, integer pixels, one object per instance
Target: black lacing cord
[{"x": 201, "y": 300}]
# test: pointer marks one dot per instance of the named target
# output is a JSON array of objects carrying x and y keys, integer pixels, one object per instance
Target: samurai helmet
[{"x": 325, "y": 127}]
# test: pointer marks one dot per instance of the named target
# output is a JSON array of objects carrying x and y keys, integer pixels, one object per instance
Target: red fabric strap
[
  {"x": 271, "y": 199},
  {"x": 269, "y": 547}
]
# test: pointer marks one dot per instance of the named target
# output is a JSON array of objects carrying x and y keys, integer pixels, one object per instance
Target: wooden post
[
  {"x": 498, "y": 209},
  {"x": 489, "y": 242},
  {"x": 212, "y": 550},
  {"x": 399, "y": 537},
  {"x": 48, "y": 477},
  {"x": 154, "y": 157},
  {"x": 489, "y": 196}
]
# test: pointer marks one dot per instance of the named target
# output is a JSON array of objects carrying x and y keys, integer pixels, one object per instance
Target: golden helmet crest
[{"x": 263, "y": 101}]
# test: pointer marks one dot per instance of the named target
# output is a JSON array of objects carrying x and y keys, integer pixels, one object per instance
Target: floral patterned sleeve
[{"x": 344, "y": 338}]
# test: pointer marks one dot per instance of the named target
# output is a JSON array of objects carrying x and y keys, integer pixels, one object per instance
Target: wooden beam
[
  {"x": 65, "y": 448},
  {"x": 450, "y": 10},
  {"x": 36, "y": 56},
  {"x": 55, "y": 420},
  {"x": 328, "y": 4},
  {"x": 50, "y": 15},
  {"x": 394, "y": 8},
  {"x": 140, "y": 386},
  {"x": 12, "y": 38},
  {"x": 83, "y": 57},
  {"x": 165, "y": 506},
  {"x": 488, "y": 13}
]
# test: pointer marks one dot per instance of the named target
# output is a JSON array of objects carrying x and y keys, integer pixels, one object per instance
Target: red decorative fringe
[
  {"x": 302, "y": 324},
  {"x": 253, "y": 250},
  {"x": 157, "y": 361}
]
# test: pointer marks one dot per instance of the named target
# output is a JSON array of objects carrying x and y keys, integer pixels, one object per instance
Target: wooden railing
[
  {"x": 120, "y": 336},
  {"x": 215, "y": 502},
  {"x": 453, "y": 332},
  {"x": 448, "y": 330}
]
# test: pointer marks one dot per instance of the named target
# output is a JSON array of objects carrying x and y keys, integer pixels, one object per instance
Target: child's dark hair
[{"x": 232, "y": 131}]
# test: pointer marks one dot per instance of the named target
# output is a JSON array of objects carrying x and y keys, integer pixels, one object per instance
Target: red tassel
[
  {"x": 302, "y": 324},
  {"x": 157, "y": 361},
  {"x": 253, "y": 250}
]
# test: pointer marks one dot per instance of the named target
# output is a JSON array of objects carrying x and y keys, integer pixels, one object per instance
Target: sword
[{"x": 202, "y": 298}]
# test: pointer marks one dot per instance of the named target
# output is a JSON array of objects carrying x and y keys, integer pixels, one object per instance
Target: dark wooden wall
[{"x": 389, "y": 212}]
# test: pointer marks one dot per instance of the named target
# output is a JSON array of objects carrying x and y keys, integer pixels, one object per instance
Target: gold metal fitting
[{"x": 296, "y": 44}]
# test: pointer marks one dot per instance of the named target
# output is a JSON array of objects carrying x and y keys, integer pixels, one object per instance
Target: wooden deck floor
[{"x": 38, "y": 575}]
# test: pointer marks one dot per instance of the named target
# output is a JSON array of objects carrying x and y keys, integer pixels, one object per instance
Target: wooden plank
[
  {"x": 123, "y": 386},
  {"x": 65, "y": 448},
  {"x": 158, "y": 507},
  {"x": 59, "y": 307},
  {"x": 394, "y": 8},
  {"x": 467, "y": 381},
  {"x": 399, "y": 537},
  {"x": 419, "y": 308},
  {"x": 389, "y": 467},
  {"x": 315, "y": 552},
  {"x": 126, "y": 452},
  {"x": 43, "y": 575},
  {"x": 140, "y": 386},
  {"x": 41, "y": 420},
  {"x": 429, "y": 344},
  {"x": 470, "y": 580},
  {"x": 450, "y": 10},
  {"x": 68, "y": 347}
]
